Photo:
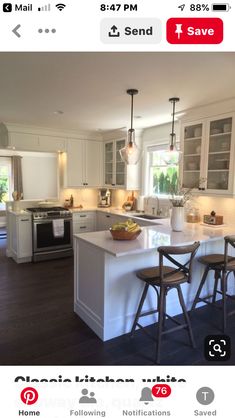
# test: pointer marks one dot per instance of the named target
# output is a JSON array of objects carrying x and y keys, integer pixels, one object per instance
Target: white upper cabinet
[
  {"x": 93, "y": 163},
  {"x": 116, "y": 173},
  {"x": 83, "y": 164},
  {"x": 51, "y": 143},
  {"x": 23, "y": 141},
  {"x": 208, "y": 155},
  {"x": 114, "y": 167},
  {"x": 74, "y": 176}
]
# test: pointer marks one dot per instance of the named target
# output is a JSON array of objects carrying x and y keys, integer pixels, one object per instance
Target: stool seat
[
  {"x": 214, "y": 259},
  {"x": 171, "y": 275}
]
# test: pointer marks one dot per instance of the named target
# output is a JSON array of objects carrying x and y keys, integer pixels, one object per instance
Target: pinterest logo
[{"x": 29, "y": 396}]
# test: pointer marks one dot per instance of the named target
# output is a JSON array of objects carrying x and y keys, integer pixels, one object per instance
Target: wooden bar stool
[
  {"x": 222, "y": 265},
  {"x": 162, "y": 279}
]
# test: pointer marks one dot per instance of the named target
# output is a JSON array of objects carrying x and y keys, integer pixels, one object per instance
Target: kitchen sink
[{"x": 146, "y": 216}]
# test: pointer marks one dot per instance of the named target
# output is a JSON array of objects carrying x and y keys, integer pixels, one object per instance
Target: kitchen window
[
  {"x": 161, "y": 178},
  {"x": 5, "y": 181}
]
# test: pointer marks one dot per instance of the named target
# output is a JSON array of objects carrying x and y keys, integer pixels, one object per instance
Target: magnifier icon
[{"x": 217, "y": 347}]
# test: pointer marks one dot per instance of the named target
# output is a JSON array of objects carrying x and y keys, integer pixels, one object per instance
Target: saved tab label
[{"x": 194, "y": 31}]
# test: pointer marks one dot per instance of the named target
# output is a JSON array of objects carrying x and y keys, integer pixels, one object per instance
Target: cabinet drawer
[
  {"x": 79, "y": 228},
  {"x": 83, "y": 216}
]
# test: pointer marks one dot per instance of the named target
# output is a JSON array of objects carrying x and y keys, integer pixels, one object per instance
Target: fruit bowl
[{"x": 121, "y": 234}]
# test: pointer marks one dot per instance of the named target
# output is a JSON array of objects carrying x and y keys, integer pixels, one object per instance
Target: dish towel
[{"x": 58, "y": 228}]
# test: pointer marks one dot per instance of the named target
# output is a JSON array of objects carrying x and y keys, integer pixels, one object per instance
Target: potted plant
[
  {"x": 3, "y": 190},
  {"x": 177, "y": 215},
  {"x": 178, "y": 202}
]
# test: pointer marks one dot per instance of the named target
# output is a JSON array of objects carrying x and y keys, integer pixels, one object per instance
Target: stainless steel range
[{"x": 52, "y": 233}]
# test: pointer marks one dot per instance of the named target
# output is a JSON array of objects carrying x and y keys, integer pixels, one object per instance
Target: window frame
[
  {"x": 159, "y": 146},
  {"x": 6, "y": 160}
]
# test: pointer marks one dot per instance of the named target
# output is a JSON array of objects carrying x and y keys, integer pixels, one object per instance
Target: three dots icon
[{"x": 46, "y": 30}]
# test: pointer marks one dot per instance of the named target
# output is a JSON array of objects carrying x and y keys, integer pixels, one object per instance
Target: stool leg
[
  {"x": 187, "y": 320},
  {"x": 224, "y": 299},
  {"x": 200, "y": 288},
  {"x": 217, "y": 275},
  {"x": 161, "y": 314},
  {"x": 139, "y": 308}
]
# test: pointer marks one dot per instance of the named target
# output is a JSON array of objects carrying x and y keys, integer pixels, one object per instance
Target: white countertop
[
  {"x": 154, "y": 236},
  {"x": 19, "y": 212},
  {"x": 112, "y": 210}
]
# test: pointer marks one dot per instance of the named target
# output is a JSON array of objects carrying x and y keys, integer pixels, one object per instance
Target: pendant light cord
[
  {"x": 173, "y": 121},
  {"x": 173, "y": 100},
  {"x": 132, "y": 105}
]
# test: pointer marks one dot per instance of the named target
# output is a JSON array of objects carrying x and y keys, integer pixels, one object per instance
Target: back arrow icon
[{"x": 15, "y": 31}]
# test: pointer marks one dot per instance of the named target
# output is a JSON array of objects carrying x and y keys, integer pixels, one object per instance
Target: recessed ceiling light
[{"x": 58, "y": 112}]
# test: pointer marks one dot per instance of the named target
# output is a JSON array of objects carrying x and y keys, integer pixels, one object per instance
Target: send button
[{"x": 131, "y": 31}]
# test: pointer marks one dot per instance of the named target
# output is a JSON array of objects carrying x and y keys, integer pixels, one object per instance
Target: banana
[{"x": 129, "y": 226}]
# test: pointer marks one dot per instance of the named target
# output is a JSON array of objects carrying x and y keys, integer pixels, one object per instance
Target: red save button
[{"x": 194, "y": 31}]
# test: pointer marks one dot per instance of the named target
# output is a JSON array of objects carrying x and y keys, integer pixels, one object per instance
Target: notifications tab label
[{"x": 194, "y": 31}]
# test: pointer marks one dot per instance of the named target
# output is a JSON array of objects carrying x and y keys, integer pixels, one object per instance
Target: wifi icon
[{"x": 60, "y": 6}]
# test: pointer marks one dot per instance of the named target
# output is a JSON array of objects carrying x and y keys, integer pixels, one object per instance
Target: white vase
[{"x": 177, "y": 218}]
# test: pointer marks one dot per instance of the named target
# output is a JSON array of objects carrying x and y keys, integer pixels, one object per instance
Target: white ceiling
[{"x": 90, "y": 88}]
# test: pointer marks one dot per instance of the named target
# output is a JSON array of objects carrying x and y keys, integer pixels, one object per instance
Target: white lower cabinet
[
  {"x": 19, "y": 237},
  {"x": 104, "y": 221},
  {"x": 84, "y": 222}
]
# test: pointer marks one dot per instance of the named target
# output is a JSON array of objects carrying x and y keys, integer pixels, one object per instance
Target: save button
[{"x": 194, "y": 31}]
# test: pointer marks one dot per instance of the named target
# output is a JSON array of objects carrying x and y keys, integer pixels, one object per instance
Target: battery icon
[{"x": 220, "y": 7}]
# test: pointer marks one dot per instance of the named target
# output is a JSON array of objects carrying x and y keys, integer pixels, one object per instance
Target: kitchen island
[{"x": 106, "y": 289}]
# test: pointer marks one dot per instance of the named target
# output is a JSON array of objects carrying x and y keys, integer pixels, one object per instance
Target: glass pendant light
[
  {"x": 172, "y": 155},
  {"x": 131, "y": 153}
]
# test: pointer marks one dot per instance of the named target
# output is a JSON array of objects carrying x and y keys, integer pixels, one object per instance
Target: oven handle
[{"x": 43, "y": 221}]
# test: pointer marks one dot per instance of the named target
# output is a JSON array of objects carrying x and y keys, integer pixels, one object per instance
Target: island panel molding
[{"x": 107, "y": 291}]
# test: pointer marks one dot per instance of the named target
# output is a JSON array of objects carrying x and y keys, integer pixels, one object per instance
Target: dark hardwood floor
[{"x": 38, "y": 326}]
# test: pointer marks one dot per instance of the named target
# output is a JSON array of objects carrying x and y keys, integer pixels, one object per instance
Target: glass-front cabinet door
[
  {"x": 208, "y": 155},
  {"x": 120, "y": 165},
  {"x": 219, "y": 163},
  {"x": 192, "y": 155},
  {"x": 114, "y": 167},
  {"x": 108, "y": 163}
]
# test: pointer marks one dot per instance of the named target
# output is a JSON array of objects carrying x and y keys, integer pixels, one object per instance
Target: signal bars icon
[{"x": 46, "y": 8}]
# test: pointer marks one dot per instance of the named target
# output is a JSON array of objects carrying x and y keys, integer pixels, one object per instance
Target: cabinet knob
[{"x": 107, "y": 216}]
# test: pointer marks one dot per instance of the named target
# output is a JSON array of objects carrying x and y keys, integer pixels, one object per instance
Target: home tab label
[{"x": 194, "y": 30}]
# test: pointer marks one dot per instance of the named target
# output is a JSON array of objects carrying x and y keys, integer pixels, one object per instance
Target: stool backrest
[
  {"x": 228, "y": 240},
  {"x": 169, "y": 251}
]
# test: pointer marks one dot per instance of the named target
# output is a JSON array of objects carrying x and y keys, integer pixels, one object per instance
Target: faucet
[{"x": 159, "y": 210}]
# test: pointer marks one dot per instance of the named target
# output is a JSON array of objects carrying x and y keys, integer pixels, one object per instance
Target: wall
[
  {"x": 40, "y": 176},
  {"x": 159, "y": 134},
  {"x": 88, "y": 198},
  {"x": 221, "y": 205}
]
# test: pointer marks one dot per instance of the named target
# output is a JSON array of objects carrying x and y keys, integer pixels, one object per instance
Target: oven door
[{"x": 43, "y": 237}]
